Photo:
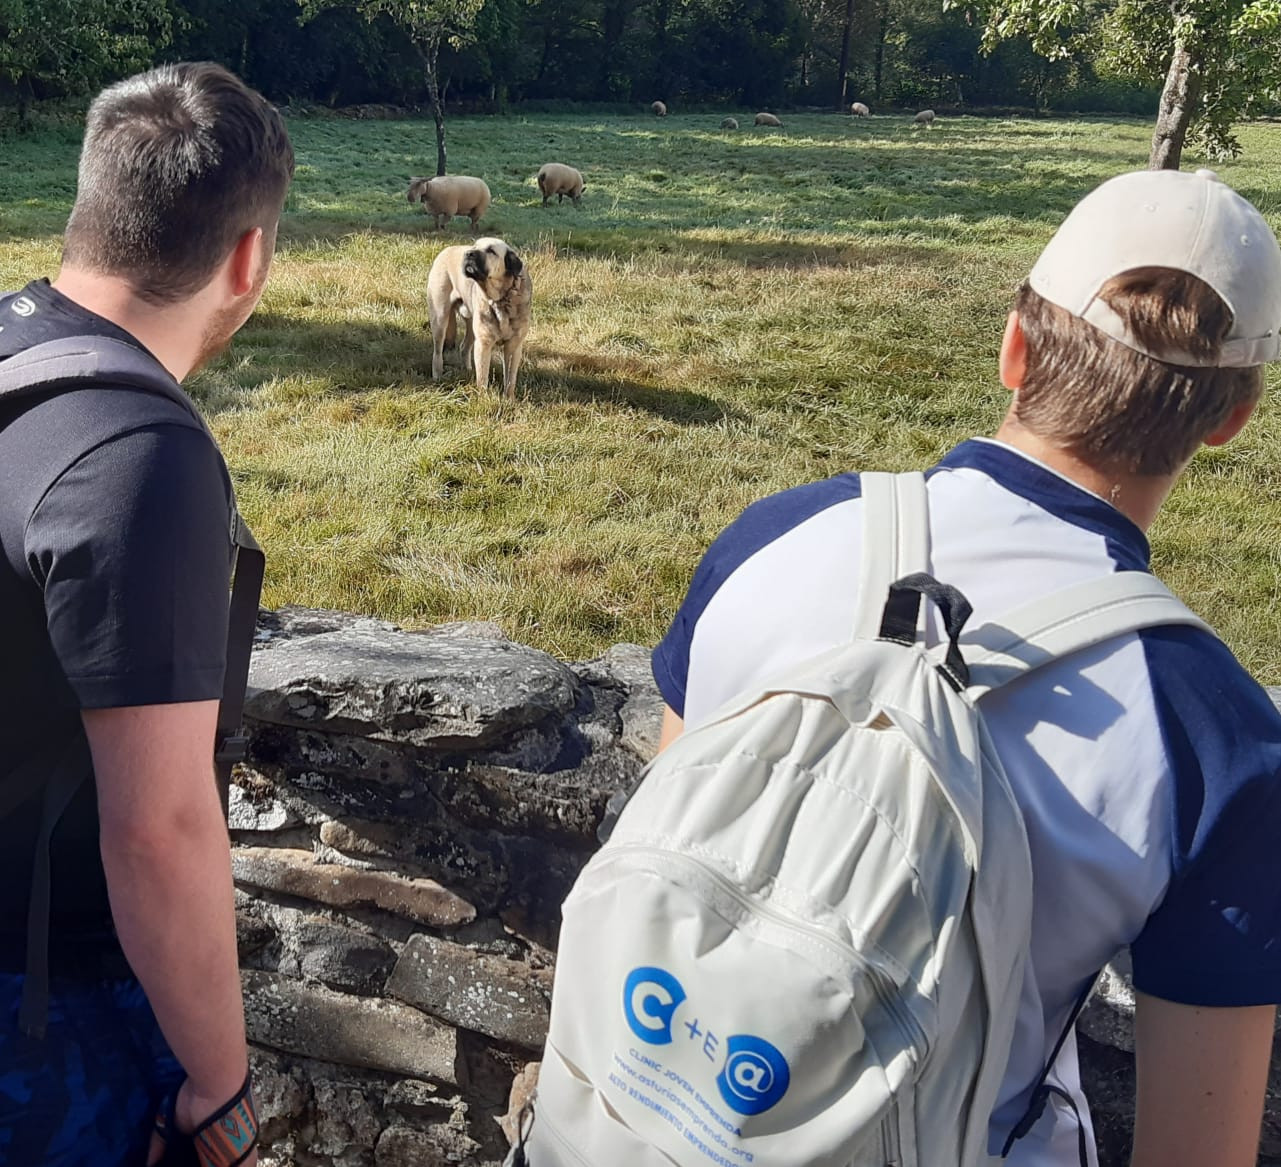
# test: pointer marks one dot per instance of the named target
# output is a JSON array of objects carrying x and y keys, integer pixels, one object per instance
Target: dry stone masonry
[{"x": 414, "y": 808}]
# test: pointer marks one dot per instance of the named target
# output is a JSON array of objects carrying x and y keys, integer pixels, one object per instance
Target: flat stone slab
[
  {"x": 295, "y": 872},
  {"x": 445, "y": 688},
  {"x": 486, "y": 994},
  {"x": 366, "y": 1032},
  {"x": 245, "y": 814}
]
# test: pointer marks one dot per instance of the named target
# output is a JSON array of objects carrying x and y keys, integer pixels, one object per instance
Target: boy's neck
[{"x": 1137, "y": 496}]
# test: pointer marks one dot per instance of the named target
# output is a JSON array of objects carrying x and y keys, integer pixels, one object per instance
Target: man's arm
[
  {"x": 673, "y": 727},
  {"x": 168, "y": 865},
  {"x": 1202, "y": 1075}
]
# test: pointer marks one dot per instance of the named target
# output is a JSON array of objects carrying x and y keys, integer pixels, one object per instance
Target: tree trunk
[
  {"x": 842, "y": 81},
  {"x": 882, "y": 32},
  {"x": 613, "y": 26},
  {"x": 431, "y": 58},
  {"x": 662, "y": 14},
  {"x": 1178, "y": 102}
]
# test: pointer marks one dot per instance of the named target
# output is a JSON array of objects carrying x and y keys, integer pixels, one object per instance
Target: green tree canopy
[
  {"x": 427, "y": 23},
  {"x": 1219, "y": 58},
  {"x": 77, "y": 45}
]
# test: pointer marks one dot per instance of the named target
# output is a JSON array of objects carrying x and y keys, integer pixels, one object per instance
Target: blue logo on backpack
[
  {"x": 755, "y": 1075},
  {"x": 650, "y": 999}
]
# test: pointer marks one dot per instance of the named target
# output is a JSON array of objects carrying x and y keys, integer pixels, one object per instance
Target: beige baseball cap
[{"x": 1192, "y": 222}]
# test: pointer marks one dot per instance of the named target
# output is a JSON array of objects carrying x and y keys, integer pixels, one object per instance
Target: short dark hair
[
  {"x": 1118, "y": 408},
  {"x": 177, "y": 164}
]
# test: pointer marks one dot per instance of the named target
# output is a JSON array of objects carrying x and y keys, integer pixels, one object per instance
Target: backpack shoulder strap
[
  {"x": 246, "y": 590},
  {"x": 82, "y": 360},
  {"x": 1044, "y": 630},
  {"x": 1068, "y": 621},
  {"x": 64, "y": 364},
  {"x": 896, "y": 542}
]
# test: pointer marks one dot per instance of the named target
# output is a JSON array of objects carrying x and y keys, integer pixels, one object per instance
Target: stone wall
[{"x": 414, "y": 809}]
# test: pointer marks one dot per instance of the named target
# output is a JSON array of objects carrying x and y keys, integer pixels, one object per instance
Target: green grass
[{"x": 728, "y": 314}]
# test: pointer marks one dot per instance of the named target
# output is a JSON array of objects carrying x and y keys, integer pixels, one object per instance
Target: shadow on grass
[
  {"x": 652, "y": 183},
  {"x": 771, "y": 253},
  {"x": 555, "y": 377},
  {"x": 320, "y": 361}
]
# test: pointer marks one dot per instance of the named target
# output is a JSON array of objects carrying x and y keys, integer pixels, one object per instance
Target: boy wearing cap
[{"x": 1146, "y": 768}]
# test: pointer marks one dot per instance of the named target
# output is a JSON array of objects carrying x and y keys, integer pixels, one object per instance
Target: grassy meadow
[{"x": 728, "y": 314}]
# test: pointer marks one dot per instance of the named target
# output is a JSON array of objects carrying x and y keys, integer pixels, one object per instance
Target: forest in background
[{"x": 688, "y": 53}]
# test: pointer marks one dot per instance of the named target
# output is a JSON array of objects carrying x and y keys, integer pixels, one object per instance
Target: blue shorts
[{"x": 87, "y": 1093}]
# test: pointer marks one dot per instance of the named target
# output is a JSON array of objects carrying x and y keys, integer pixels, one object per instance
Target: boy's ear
[
  {"x": 1013, "y": 359},
  {"x": 1232, "y": 425}
]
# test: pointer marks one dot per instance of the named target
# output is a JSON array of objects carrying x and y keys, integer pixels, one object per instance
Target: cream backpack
[{"x": 803, "y": 942}]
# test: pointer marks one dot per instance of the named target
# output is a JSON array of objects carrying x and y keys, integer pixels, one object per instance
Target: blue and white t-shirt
[{"x": 1146, "y": 768}]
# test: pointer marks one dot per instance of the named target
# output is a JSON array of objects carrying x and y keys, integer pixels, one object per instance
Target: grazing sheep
[
  {"x": 554, "y": 178},
  {"x": 455, "y": 194},
  {"x": 859, "y": 110},
  {"x": 660, "y": 110},
  {"x": 766, "y": 119},
  {"x": 924, "y": 118},
  {"x": 729, "y": 124}
]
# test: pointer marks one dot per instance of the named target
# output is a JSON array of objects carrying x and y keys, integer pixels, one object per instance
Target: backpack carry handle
[{"x": 902, "y": 615}]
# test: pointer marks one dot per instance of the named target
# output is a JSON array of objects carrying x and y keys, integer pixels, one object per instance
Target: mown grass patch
[{"x": 728, "y": 314}]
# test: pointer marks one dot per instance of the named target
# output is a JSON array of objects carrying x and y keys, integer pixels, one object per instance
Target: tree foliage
[
  {"x": 427, "y": 23},
  {"x": 74, "y": 46},
  {"x": 1090, "y": 55},
  {"x": 1229, "y": 49}
]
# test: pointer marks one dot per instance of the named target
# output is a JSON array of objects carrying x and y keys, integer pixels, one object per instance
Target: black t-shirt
[{"x": 115, "y": 560}]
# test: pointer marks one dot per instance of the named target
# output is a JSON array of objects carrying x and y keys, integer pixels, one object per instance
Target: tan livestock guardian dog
[{"x": 489, "y": 287}]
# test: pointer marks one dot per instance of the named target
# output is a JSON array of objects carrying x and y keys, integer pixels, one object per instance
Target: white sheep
[
  {"x": 454, "y": 194},
  {"x": 924, "y": 118},
  {"x": 767, "y": 119},
  {"x": 729, "y": 124},
  {"x": 660, "y": 110},
  {"x": 859, "y": 110},
  {"x": 554, "y": 178}
]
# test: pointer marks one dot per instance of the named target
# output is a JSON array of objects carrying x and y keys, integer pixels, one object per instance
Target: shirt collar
[{"x": 1031, "y": 479}]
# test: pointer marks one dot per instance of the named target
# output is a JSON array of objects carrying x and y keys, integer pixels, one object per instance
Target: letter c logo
[{"x": 650, "y": 999}]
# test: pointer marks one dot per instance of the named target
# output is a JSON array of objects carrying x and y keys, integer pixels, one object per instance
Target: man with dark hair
[
  {"x": 1148, "y": 768},
  {"x": 115, "y": 556}
]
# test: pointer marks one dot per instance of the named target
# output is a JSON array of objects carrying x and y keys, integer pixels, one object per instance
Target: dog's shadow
[
  {"x": 356, "y": 357},
  {"x": 544, "y": 378}
]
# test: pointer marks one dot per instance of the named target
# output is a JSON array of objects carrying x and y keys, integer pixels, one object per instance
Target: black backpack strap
[
  {"x": 89, "y": 360},
  {"x": 1044, "y": 1089},
  {"x": 242, "y": 622},
  {"x": 59, "y": 789},
  {"x": 45, "y": 369}
]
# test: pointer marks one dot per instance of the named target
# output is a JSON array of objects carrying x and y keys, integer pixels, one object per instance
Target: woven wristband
[
  {"x": 224, "y": 1139},
  {"x": 229, "y": 1135}
]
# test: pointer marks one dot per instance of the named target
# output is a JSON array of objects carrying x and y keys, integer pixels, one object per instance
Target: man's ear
[
  {"x": 1232, "y": 425},
  {"x": 1013, "y": 359},
  {"x": 246, "y": 259}
]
